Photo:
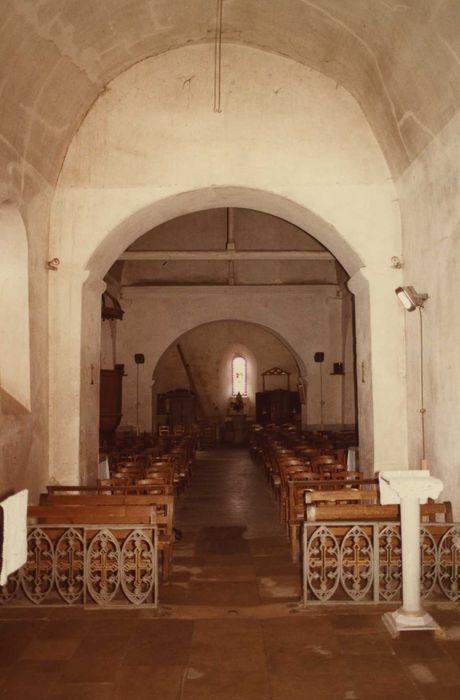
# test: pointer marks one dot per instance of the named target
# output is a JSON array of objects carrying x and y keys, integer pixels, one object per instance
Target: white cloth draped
[
  {"x": 352, "y": 459},
  {"x": 14, "y": 550},
  {"x": 103, "y": 471}
]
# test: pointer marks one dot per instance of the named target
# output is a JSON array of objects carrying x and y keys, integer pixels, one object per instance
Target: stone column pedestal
[{"x": 409, "y": 489}]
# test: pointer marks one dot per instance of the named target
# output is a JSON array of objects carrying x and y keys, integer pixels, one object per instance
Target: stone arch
[
  {"x": 156, "y": 213},
  {"x": 141, "y": 315},
  {"x": 372, "y": 286},
  {"x": 289, "y": 347},
  {"x": 228, "y": 352}
]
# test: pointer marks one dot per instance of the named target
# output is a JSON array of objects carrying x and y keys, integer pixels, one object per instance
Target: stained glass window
[{"x": 239, "y": 376}]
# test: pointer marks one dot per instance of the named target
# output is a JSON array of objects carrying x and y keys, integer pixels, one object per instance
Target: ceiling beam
[{"x": 226, "y": 255}]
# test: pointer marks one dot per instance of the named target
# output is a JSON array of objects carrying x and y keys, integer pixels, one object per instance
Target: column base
[{"x": 400, "y": 621}]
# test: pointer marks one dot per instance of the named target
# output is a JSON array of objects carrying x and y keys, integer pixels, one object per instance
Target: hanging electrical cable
[
  {"x": 218, "y": 58},
  {"x": 412, "y": 300},
  {"x": 422, "y": 389}
]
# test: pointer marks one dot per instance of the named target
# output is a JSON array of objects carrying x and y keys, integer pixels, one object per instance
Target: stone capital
[{"x": 411, "y": 484}]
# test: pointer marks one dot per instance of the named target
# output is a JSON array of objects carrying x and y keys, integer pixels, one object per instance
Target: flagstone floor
[{"x": 229, "y": 627}]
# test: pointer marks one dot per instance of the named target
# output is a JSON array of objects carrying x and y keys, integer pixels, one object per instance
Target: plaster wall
[
  {"x": 141, "y": 145},
  {"x": 430, "y": 201},
  {"x": 156, "y": 317},
  {"x": 24, "y": 415},
  {"x": 400, "y": 60},
  {"x": 288, "y": 142},
  {"x": 14, "y": 295}
]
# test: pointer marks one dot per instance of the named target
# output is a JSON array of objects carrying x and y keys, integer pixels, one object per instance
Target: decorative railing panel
[
  {"x": 361, "y": 562},
  {"x": 87, "y": 565}
]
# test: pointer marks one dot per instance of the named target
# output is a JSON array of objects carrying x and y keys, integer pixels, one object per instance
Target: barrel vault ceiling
[{"x": 399, "y": 58}]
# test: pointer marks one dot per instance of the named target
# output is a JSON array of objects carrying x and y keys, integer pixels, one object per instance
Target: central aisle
[{"x": 234, "y": 550}]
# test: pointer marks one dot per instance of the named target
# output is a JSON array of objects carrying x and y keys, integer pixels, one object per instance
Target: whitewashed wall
[
  {"x": 156, "y": 317},
  {"x": 430, "y": 200}
]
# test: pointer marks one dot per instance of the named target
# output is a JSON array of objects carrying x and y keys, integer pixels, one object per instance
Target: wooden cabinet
[
  {"x": 278, "y": 406},
  {"x": 110, "y": 395},
  {"x": 177, "y": 407}
]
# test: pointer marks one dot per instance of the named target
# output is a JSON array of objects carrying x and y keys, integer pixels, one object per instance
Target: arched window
[{"x": 239, "y": 376}]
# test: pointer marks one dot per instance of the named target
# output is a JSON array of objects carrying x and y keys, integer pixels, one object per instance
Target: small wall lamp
[
  {"x": 409, "y": 298},
  {"x": 53, "y": 264}
]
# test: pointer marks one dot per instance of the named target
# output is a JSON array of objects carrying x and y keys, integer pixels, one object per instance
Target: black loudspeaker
[
  {"x": 139, "y": 358},
  {"x": 337, "y": 368},
  {"x": 319, "y": 357},
  {"x": 120, "y": 368}
]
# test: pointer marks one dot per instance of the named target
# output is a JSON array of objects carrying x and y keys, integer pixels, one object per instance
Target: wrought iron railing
[
  {"x": 361, "y": 562},
  {"x": 87, "y": 565}
]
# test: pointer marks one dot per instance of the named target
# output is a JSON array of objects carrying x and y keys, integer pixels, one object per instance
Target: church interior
[{"x": 229, "y": 243}]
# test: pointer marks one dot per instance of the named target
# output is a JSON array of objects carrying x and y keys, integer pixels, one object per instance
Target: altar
[{"x": 235, "y": 430}]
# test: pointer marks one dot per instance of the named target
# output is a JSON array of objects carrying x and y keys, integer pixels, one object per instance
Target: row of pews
[
  {"x": 141, "y": 489},
  {"x": 107, "y": 544},
  {"x": 309, "y": 476}
]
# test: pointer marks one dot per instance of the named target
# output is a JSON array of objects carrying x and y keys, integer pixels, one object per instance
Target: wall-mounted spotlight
[
  {"x": 412, "y": 300},
  {"x": 409, "y": 298}
]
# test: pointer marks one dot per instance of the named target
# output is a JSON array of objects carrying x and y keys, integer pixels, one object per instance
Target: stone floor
[{"x": 229, "y": 627}]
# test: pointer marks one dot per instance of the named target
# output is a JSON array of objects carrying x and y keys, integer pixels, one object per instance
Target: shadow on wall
[{"x": 14, "y": 313}]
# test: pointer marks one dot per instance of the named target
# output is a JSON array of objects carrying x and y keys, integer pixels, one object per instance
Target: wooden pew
[
  {"x": 96, "y": 508},
  {"x": 366, "y": 512},
  {"x": 104, "y": 487},
  {"x": 297, "y": 490},
  {"x": 67, "y": 488},
  {"x": 95, "y": 499},
  {"x": 83, "y": 514},
  {"x": 155, "y": 485},
  {"x": 351, "y": 495}
]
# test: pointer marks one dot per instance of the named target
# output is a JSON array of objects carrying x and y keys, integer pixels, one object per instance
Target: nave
[
  {"x": 234, "y": 550},
  {"x": 229, "y": 625}
]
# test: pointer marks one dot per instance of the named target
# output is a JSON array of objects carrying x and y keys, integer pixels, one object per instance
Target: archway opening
[
  {"x": 241, "y": 266},
  {"x": 199, "y": 376},
  {"x": 168, "y": 167}
]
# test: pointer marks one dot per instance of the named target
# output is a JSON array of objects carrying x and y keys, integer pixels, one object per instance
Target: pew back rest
[
  {"x": 297, "y": 490},
  {"x": 352, "y": 495},
  {"x": 162, "y": 505},
  {"x": 93, "y": 515},
  {"x": 363, "y": 512}
]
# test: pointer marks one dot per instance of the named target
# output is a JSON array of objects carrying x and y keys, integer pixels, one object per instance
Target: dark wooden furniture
[
  {"x": 110, "y": 395},
  {"x": 278, "y": 406},
  {"x": 177, "y": 408}
]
